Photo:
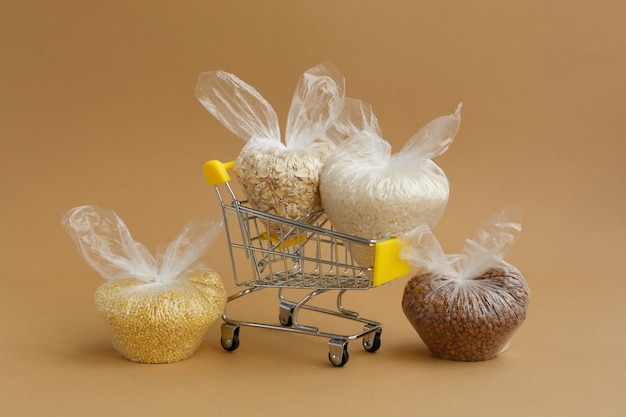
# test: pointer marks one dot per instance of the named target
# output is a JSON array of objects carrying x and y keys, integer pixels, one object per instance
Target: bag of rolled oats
[
  {"x": 369, "y": 192},
  {"x": 466, "y": 306},
  {"x": 276, "y": 177},
  {"x": 158, "y": 309}
]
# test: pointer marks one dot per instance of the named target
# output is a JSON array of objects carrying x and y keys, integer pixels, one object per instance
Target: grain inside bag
[
  {"x": 157, "y": 309},
  {"x": 371, "y": 193},
  {"x": 281, "y": 178},
  {"x": 467, "y": 306}
]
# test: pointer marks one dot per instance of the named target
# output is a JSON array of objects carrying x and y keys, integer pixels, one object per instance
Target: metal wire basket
[{"x": 300, "y": 254}]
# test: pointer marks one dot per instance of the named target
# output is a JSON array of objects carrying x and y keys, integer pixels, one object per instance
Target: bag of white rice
[
  {"x": 276, "y": 177},
  {"x": 370, "y": 193}
]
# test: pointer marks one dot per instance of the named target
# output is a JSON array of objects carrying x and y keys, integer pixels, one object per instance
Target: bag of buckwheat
[
  {"x": 369, "y": 192},
  {"x": 158, "y": 309},
  {"x": 276, "y": 177},
  {"x": 467, "y": 306}
]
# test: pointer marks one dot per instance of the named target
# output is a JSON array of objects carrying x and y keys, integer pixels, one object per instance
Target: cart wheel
[
  {"x": 230, "y": 337},
  {"x": 372, "y": 343},
  {"x": 285, "y": 315},
  {"x": 338, "y": 352},
  {"x": 339, "y": 361}
]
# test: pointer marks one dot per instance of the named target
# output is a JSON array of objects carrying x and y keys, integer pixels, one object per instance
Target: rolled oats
[{"x": 280, "y": 181}]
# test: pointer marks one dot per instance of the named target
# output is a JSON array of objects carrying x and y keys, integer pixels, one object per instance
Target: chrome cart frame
[{"x": 305, "y": 254}]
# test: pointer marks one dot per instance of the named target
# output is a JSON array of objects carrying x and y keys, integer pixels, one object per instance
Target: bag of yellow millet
[{"x": 157, "y": 308}]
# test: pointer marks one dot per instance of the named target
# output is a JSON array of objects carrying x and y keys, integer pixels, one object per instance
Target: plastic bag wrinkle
[
  {"x": 106, "y": 244},
  {"x": 433, "y": 139},
  {"x": 188, "y": 247},
  {"x": 495, "y": 237},
  {"x": 315, "y": 106},
  {"x": 237, "y": 105}
]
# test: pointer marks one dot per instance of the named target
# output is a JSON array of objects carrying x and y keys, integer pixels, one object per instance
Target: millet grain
[{"x": 161, "y": 323}]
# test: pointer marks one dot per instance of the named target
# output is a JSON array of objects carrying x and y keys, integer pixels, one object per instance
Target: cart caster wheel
[
  {"x": 337, "y": 360},
  {"x": 371, "y": 343},
  {"x": 338, "y": 354},
  {"x": 230, "y": 337},
  {"x": 285, "y": 315}
]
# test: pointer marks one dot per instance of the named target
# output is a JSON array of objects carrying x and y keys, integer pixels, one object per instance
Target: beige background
[{"x": 97, "y": 107}]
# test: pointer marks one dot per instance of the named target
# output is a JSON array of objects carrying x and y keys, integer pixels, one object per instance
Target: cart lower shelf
[{"x": 288, "y": 321}]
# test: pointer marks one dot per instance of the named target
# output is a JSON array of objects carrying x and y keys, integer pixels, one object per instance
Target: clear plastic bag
[
  {"x": 466, "y": 306},
  {"x": 369, "y": 192},
  {"x": 276, "y": 177},
  {"x": 157, "y": 308}
]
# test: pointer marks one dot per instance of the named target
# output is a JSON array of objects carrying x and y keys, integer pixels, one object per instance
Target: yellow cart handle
[
  {"x": 387, "y": 262},
  {"x": 216, "y": 172}
]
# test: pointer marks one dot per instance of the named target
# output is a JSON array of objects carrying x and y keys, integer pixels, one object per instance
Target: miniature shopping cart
[{"x": 305, "y": 254}]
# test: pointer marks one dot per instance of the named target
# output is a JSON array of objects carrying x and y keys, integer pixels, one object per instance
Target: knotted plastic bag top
[
  {"x": 487, "y": 250},
  {"x": 429, "y": 142},
  {"x": 106, "y": 244},
  {"x": 316, "y": 104}
]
